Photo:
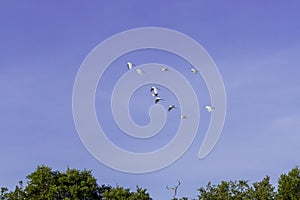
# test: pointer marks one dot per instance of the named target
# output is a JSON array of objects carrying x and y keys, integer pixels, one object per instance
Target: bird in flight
[
  {"x": 139, "y": 71},
  {"x": 183, "y": 117},
  {"x": 209, "y": 108},
  {"x": 157, "y": 99},
  {"x": 164, "y": 69},
  {"x": 130, "y": 65},
  {"x": 154, "y": 90},
  {"x": 171, "y": 107},
  {"x": 194, "y": 71}
]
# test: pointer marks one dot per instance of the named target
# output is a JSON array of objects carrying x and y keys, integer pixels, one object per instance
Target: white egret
[
  {"x": 164, "y": 69},
  {"x": 157, "y": 99},
  {"x": 209, "y": 108},
  {"x": 171, "y": 107},
  {"x": 139, "y": 71},
  {"x": 194, "y": 71},
  {"x": 154, "y": 90},
  {"x": 130, "y": 65}
]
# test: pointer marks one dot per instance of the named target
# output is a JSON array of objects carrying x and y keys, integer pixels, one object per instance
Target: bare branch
[{"x": 174, "y": 188}]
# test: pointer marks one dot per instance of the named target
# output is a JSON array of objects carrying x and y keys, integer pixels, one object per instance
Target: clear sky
[{"x": 255, "y": 45}]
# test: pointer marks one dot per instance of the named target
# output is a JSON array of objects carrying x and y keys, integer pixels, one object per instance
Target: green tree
[
  {"x": 117, "y": 193},
  {"x": 72, "y": 184},
  {"x": 240, "y": 190},
  {"x": 102, "y": 189},
  {"x": 120, "y": 193},
  {"x": 232, "y": 190},
  {"x": 263, "y": 190},
  {"x": 289, "y": 185},
  {"x": 75, "y": 184},
  {"x": 3, "y": 193},
  {"x": 140, "y": 194},
  {"x": 42, "y": 184},
  {"x": 207, "y": 192},
  {"x": 18, "y": 193},
  {"x": 46, "y": 184}
]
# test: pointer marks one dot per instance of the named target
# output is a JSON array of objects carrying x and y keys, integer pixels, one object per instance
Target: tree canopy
[
  {"x": 235, "y": 190},
  {"x": 289, "y": 185},
  {"x": 47, "y": 184}
]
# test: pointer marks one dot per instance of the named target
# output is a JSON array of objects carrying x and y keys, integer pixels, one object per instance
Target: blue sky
[{"x": 255, "y": 45}]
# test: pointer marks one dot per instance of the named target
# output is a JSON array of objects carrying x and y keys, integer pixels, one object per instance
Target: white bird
[
  {"x": 139, "y": 71},
  {"x": 209, "y": 108},
  {"x": 157, "y": 99},
  {"x": 171, "y": 107},
  {"x": 154, "y": 90},
  {"x": 130, "y": 65},
  {"x": 164, "y": 69},
  {"x": 183, "y": 116},
  {"x": 194, "y": 71}
]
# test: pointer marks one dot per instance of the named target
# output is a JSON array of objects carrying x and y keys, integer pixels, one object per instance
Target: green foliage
[
  {"x": 3, "y": 193},
  {"x": 102, "y": 189},
  {"x": 46, "y": 184},
  {"x": 238, "y": 190},
  {"x": 289, "y": 185},
  {"x": 263, "y": 190},
  {"x": 18, "y": 193},
  {"x": 72, "y": 184},
  {"x": 140, "y": 194},
  {"x": 120, "y": 193},
  {"x": 225, "y": 190},
  {"x": 42, "y": 184}
]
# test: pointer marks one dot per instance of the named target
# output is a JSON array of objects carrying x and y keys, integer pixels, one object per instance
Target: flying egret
[
  {"x": 154, "y": 90},
  {"x": 171, "y": 107},
  {"x": 130, "y": 65},
  {"x": 183, "y": 116},
  {"x": 139, "y": 71},
  {"x": 194, "y": 71},
  {"x": 157, "y": 99},
  {"x": 164, "y": 69},
  {"x": 209, "y": 108}
]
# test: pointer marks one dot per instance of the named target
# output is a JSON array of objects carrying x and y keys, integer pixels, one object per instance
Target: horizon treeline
[{"x": 73, "y": 184}]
